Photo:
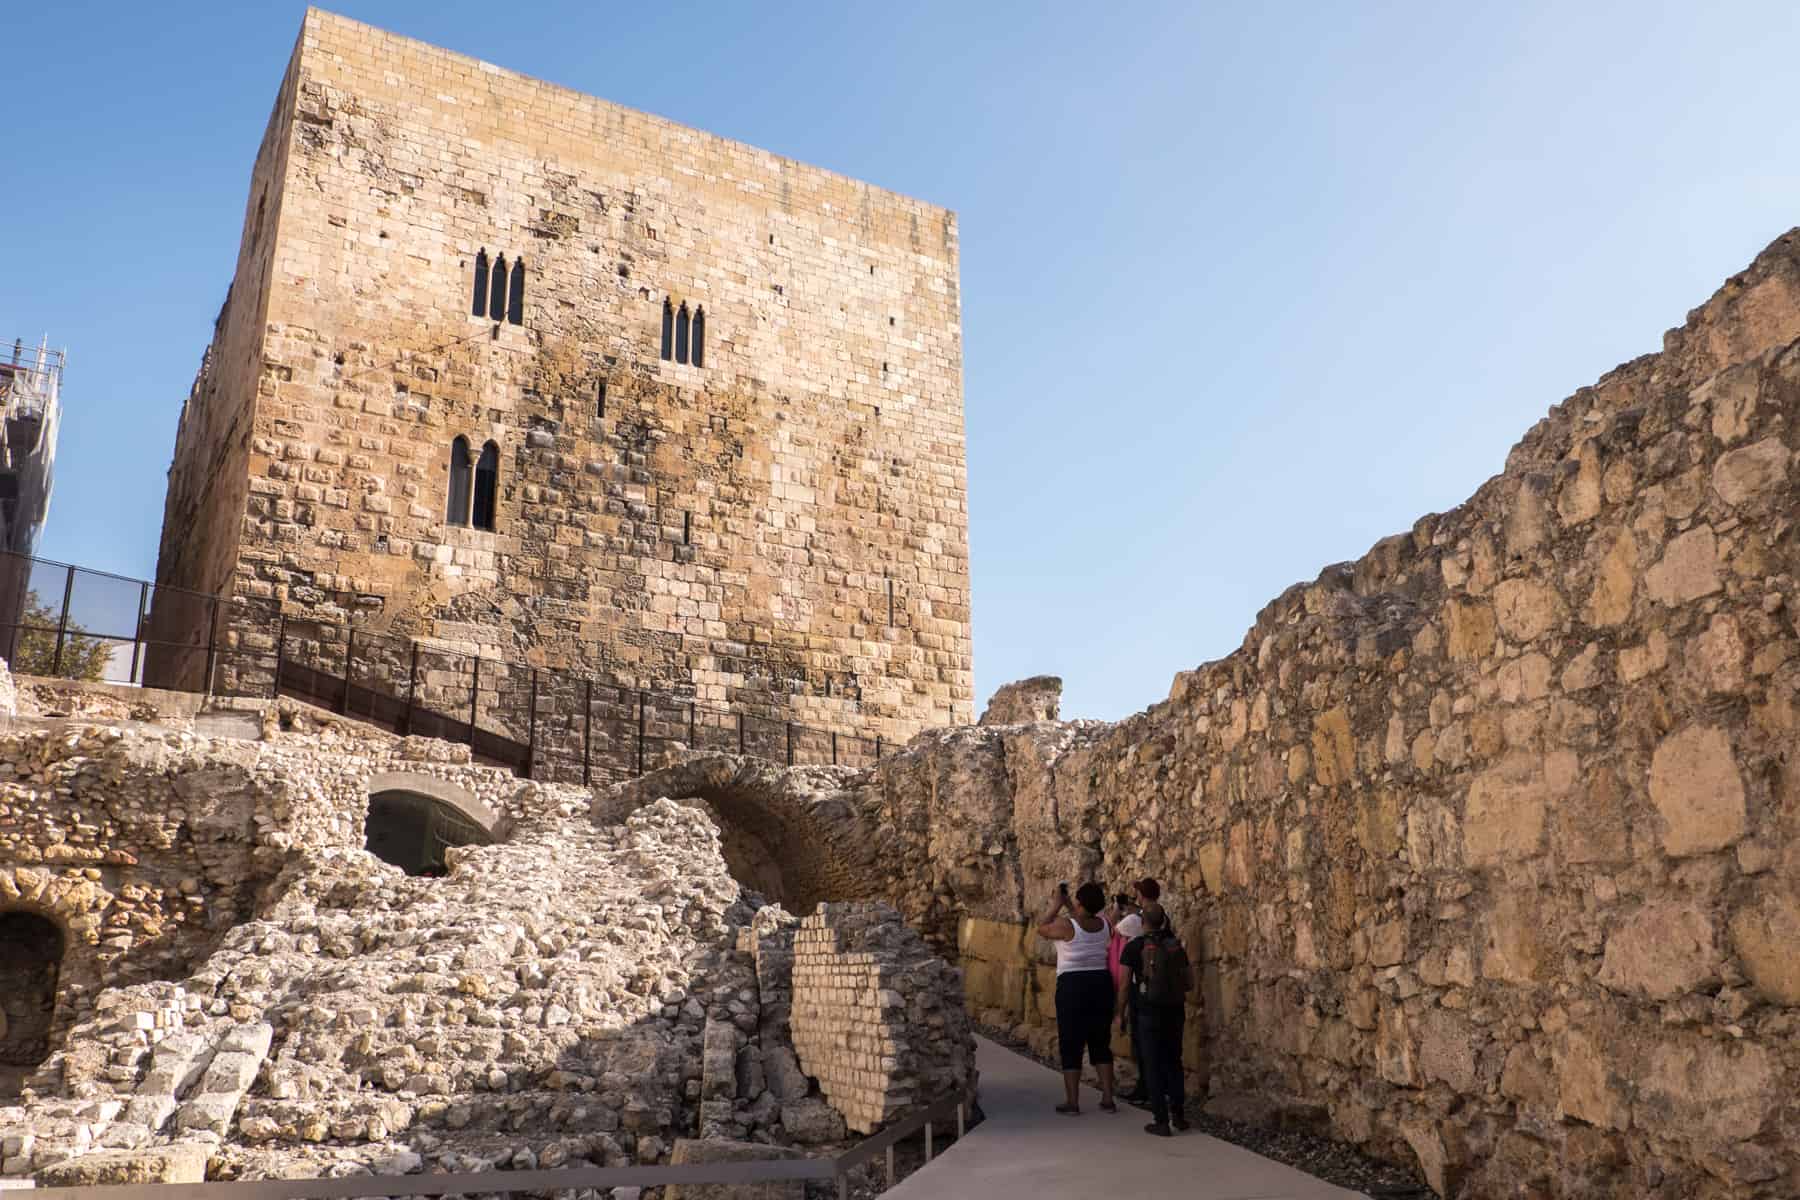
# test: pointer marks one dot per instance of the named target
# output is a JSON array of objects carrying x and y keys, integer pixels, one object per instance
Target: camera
[
  {"x": 1122, "y": 900},
  {"x": 1063, "y": 888}
]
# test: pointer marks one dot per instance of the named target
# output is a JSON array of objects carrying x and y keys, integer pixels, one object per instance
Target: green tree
[{"x": 84, "y": 656}]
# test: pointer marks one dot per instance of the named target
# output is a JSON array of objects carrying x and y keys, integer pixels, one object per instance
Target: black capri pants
[{"x": 1084, "y": 1013}]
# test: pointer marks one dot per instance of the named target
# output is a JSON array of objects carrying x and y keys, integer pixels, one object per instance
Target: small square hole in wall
[
  {"x": 890, "y": 320},
  {"x": 771, "y": 239}
]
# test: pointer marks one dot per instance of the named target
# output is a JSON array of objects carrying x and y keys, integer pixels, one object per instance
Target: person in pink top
[{"x": 1127, "y": 919}]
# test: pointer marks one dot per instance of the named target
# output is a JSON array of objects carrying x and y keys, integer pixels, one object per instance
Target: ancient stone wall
[
  {"x": 1489, "y": 842},
  {"x": 781, "y": 528},
  {"x": 878, "y": 1019}
]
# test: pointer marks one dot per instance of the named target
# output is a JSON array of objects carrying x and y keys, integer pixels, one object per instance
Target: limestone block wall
[
  {"x": 782, "y": 528},
  {"x": 1488, "y": 842},
  {"x": 877, "y": 1018}
]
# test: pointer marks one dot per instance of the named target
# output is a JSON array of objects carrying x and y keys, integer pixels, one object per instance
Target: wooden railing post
[
  {"x": 62, "y": 629},
  {"x": 790, "y": 743},
  {"x": 692, "y": 745},
  {"x": 349, "y": 658},
  {"x": 212, "y": 646},
  {"x": 740, "y": 718},
  {"x": 834, "y": 747},
  {"x": 280, "y": 653},
  {"x": 531, "y": 730},
  {"x": 587, "y": 733},
  {"x": 640, "y": 746},
  {"x": 137, "y": 635},
  {"x": 412, "y": 687},
  {"x": 474, "y": 692}
]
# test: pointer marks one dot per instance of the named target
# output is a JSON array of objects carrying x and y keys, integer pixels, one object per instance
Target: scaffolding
[{"x": 31, "y": 404}]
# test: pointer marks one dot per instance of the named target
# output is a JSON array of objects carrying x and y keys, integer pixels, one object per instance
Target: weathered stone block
[{"x": 1695, "y": 786}]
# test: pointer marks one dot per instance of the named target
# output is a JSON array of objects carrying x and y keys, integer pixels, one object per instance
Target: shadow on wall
[{"x": 31, "y": 953}]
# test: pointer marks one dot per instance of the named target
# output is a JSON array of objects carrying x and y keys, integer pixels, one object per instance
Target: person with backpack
[
  {"x": 1127, "y": 919},
  {"x": 1159, "y": 980}
]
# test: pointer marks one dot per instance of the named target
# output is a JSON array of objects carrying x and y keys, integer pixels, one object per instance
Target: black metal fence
[{"x": 71, "y": 622}]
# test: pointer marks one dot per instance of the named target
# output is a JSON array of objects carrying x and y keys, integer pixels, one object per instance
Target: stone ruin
[
  {"x": 247, "y": 991},
  {"x": 1488, "y": 846}
]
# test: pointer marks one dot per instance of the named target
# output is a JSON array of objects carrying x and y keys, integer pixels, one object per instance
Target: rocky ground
[{"x": 581, "y": 992}]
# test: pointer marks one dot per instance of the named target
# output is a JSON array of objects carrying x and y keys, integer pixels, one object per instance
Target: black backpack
[{"x": 1164, "y": 976}]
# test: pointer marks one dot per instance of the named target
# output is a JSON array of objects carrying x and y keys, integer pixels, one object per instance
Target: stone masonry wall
[
  {"x": 1489, "y": 842},
  {"x": 783, "y": 528},
  {"x": 877, "y": 1019}
]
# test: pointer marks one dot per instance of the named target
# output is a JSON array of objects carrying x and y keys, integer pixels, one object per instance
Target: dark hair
[
  {"x": 1091, "y": 896},
  {"x": 1154, "y": 916},
  {"x": 1151, "y": 889},
  {"x": 1122, "y": 899}
]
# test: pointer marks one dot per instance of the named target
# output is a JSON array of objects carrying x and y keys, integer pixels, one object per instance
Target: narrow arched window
[
  {"x": 681, "y": 333},
  {"x": 456, "y": 509},
  {"x": 497, "y": 292},
  {"x": 699, "y": 337},
  {"x": 515, "y": 301},
  {"x": 481, "y": 283},
  {"x": 668, "y": 341},
  {"x": 487, "y": 484}
]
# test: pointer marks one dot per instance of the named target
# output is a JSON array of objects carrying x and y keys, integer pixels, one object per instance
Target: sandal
[
  {"x": 1069, "y": 1110},
  {"x": 1108, "y": 1106}
]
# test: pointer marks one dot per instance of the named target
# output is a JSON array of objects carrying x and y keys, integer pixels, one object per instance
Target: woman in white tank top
[{"x": 1084, "y": 991}]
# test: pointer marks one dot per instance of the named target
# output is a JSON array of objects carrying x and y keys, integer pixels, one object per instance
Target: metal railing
[
  {"x": 65, "y": 621},
  {"x": 836, "y": 1168}
]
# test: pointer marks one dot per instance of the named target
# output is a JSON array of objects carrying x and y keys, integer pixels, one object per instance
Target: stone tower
[{"x": 509, "y": 369}]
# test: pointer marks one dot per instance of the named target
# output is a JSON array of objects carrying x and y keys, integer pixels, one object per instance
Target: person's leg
[
  {"x": 1177, "y": 1075},
  {"x": 1141, "y": 1092},
  {"x": 1069, "y": 1039},
  {"x": 1101, "y": 1050},
  {"x": 1153, "y": 1064}
]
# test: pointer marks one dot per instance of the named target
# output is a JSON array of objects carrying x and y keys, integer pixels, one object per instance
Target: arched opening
[
  {"x": 412, "y": 830},
  {"x": 481, "y": 283},
  {"x": 456, "y": 508},
  {"x": 515, "y": 303},
  {"x": 31, "y": 953},
  {"x": 699, "y": 337},
  {"x": 487, "y": 486},
  {"x": 668, "y": 330},
  {"x": 497, "y": 291},
  {"x": 681, "y": 333}
]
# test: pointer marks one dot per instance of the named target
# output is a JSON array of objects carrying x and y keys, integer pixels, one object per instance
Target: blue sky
[{"x": 1245, "y": 287}]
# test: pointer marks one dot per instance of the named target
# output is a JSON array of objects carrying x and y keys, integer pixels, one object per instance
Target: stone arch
[
  {"x": 412, "y": 819},
  {"x": 32, "y": 947},
  {"x": 796, "y": 835}
]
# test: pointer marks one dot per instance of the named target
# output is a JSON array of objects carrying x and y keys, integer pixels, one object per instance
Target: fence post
[
  {"x": 212, "y": 646},
  {"x": 878, "y": 747},
  {"x": 587, "y": 733},
  {"x": 790, "y": 743},
  {"x": 531, "y": 731},
  {"x": 474, "y": 692},
  {"x": 640, "y": 748},
  {"x": 412, "y": 686},
  {"x": 349, "y": 657},
  {"x": 691, "y": 744},
  {"x": 280, "y": 653},
  {"x": 62, "y": 624},
  {"x": 137, "y": 634},
  {"x": 834, "y": 747}
]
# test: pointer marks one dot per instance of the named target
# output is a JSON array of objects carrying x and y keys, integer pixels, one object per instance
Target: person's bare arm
[
  {"x": 1053, "y": 924},
  {"x": 1124, "y": 998}
]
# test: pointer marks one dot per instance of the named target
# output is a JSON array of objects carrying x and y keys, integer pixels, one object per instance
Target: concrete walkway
[{"x": 1027, "y": 1151}]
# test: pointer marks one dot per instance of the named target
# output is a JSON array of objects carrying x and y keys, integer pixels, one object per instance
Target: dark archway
[
  {"x": 31, "y": 954},
  {"x": 412, "y": 831}
]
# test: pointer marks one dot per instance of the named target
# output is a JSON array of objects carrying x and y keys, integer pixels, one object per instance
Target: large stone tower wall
[{"x": 730, "y": 529}]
